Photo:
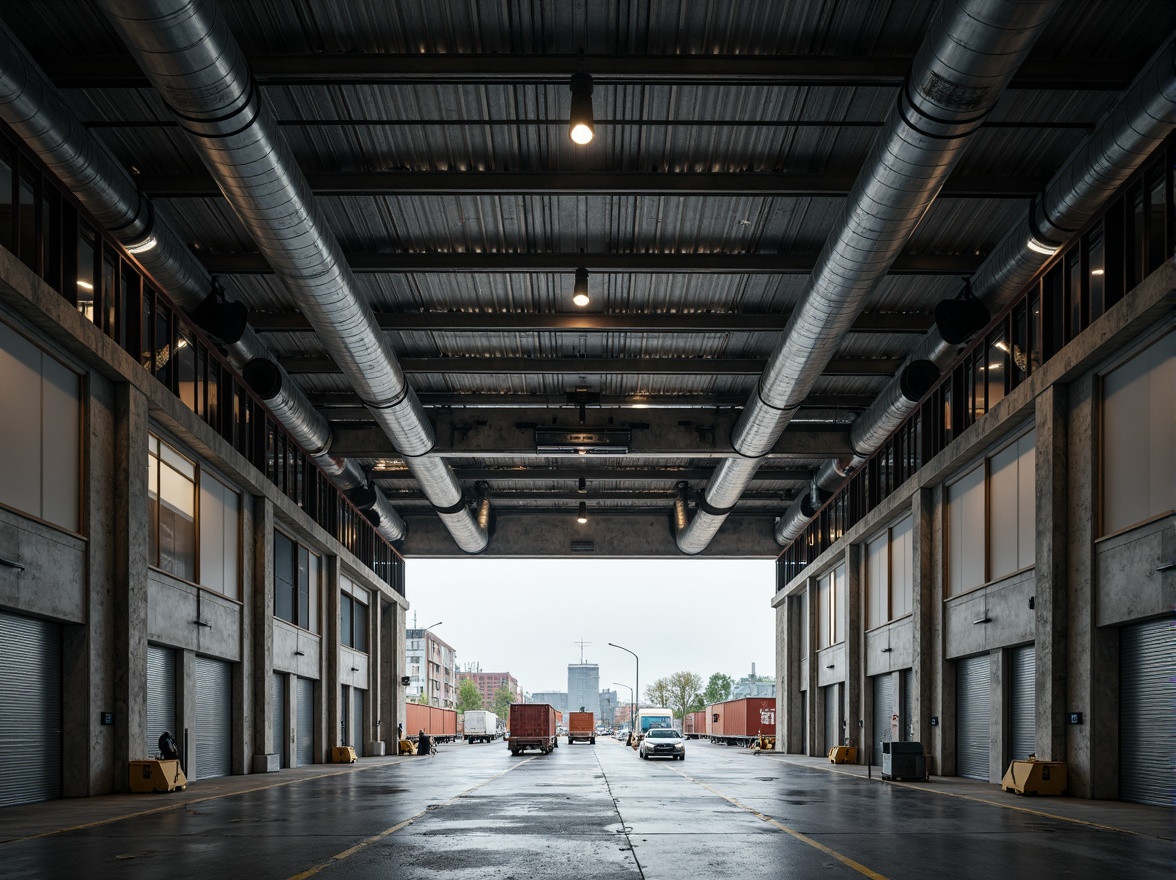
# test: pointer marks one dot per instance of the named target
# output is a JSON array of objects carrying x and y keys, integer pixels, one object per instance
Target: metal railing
[
  {"x": 44, "y": 226},
  {"x": 1130, "y": 239}
]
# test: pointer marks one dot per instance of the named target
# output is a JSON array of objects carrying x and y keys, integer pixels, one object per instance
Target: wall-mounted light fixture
[
  {"x": 580, "y": 291},
  {"x": 582, "y": 515},
  {"x": 582, "y": 485},
  {"x": 581, "y": 128}
]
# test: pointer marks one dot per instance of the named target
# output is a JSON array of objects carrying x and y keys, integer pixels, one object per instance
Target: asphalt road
[{"x": 581, "y": 813}]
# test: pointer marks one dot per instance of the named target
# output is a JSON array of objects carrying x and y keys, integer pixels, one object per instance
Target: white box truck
[{"x": 481, "y": 726}]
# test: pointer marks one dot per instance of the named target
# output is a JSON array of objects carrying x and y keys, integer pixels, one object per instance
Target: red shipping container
[
  {"x": 532, "y": 725},
  {"x": 742, "y": 719}
]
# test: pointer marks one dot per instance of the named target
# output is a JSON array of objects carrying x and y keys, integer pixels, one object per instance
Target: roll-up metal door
[
  {"x": 280, "y": 718},
  {"x": 214, "y": 718},
  {"x": 804, "y": 737},
  {"x": 883, "y": 709},
  {"x": 30, "y": 710},
  {"x": 305, "y": 728},
  {"x": 357, "y": 728},
  {"x": 1022, "y": 702},
  {"x": 973, "y": 715},
  {"x": 161, "y": 699},
  {"x": 906, "y": 712},
  {"x": 832, "y": 694},
  {"x": 1147, "y": 693}
]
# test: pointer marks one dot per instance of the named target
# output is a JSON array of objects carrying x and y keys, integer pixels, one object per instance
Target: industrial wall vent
[
  {"x": 582, "y": 441},
  {"x": 583, "y": 547}
]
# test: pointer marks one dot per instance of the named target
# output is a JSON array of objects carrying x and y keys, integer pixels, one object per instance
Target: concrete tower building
[{"x": 584, "y": 687}]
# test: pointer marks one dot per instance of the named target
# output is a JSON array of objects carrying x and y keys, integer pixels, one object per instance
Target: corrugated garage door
[
  {"x": 30, "y": 710},
  {"x": 883, "y": 709},
  {"x": 1022, "y": 702},
  {"x": 280, "y": 718},
  {"x": 161, "y": 699},
  {"x": 357, "y": 737},
  {"x": 906, "y": 715},
  {"x": 973, "y": 713},
  {"x": 214, "y": 718},
  {"x": 1147, "y": 693},
  {"x": 305, "y": 730},
  {"x": 832, "y": 695}
]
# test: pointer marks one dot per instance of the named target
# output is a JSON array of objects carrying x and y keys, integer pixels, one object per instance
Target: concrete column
[
  {"x": 331, "y": 699},
  {"x": 923, "y": 602},
  {"x": 942, "y": 687},
  {"x": 998, "y": 715},
  {"x": 391, "y": 666},
  {"x": 88, "y": 662},
  {"x": 855, "y": 664},
  {"x": 1092, "y": 654},
  {"x": 186, "y": 709},
  {"x": 371, "y": 709},
  {"x": 815, "y": 714},
  {"x": 258, "y": 565},
  {"x": 1049, "y": 601},
  {"x": 129, "y": 540}
]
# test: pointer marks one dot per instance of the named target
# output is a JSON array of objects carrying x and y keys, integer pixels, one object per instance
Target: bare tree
[
  {"x": 658, "y": 693},
  {"x": 684, "y": 690}
]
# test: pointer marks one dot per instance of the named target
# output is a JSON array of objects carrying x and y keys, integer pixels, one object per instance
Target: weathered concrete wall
[
  {"x": 1131, "y": 582},
  {"x": 890, "y": 647},
  {"x": 54, "y": 581},
  {"x": 1005, "y": 607}
]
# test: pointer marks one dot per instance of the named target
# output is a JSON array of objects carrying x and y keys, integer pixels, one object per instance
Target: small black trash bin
[{"x": 903, "y": 760}]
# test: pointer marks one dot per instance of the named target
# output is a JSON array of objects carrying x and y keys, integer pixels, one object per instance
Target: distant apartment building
[
  {"x": 584, "y": 687},
  {"x": 558, "y": 700},
  {"x": 432, "y": 668},
  {"x": 489, "y": 683},
  {"x": 753, "y": 686},
  {"x": 608, "y": 708}
]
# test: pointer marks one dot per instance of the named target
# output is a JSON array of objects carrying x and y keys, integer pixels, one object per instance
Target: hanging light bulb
[
  {"x": 580, "y": 291},
  {"x": 582, "y": 515},
  {"x": 581, "y": 128}
]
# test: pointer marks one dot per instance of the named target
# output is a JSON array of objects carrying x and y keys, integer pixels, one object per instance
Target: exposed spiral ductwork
[
  {"x": 190, "y": 57},
  {"x": 1131, "y": 131},
  {"x": 35, "y": 110},
  {"x": 971, "y": 52}
]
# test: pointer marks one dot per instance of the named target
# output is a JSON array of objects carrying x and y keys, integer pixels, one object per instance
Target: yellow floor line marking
[
  {"x": 187, "y": 802},
  {"x": 375, "y": 838},
  {"x": 803, "y": 838},
  {"x": 968, "y": 797}
]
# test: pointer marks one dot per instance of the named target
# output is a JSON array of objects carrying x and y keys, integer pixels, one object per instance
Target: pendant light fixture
[
  {"x": 580, "y": 291},
  {"x": 581, "y": 128},
  {"x": 582, "y": 515}
]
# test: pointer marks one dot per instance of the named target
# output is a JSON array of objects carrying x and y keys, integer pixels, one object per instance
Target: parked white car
[{"x": 663, "y": 742}]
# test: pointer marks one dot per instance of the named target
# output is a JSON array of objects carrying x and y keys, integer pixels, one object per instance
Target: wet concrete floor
[{"x": 580, "y": 813}]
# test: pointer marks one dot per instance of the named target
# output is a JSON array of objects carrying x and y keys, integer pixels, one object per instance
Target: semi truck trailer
[
  {"x": 581, "y": 728},
  {"x": 481, "y": 726},
  {"x": 532, "y": 726}
]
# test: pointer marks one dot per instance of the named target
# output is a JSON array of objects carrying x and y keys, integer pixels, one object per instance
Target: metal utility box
[
  {"x": 903, "y": 760},
  {"x": 1035, "y": 777},
  {"x": 157, "y": 776}
]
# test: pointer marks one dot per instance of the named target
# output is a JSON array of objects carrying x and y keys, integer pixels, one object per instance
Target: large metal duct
[
  {"x": 187, "y": 52},
  {"x": 1140, "y": 120},
  {"x": 35, "y": 110},
  {"x": 971, "y": 51}
]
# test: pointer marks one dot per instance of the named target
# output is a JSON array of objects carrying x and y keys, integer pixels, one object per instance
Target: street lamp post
[
  {"x": 629, "y": 688},
  {"x": 637, "y": 688},
  {"x": 425, "y": 631}
]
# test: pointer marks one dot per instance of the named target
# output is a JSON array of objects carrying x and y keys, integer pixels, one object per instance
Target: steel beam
[
  {"x": 666, "y": 366},
  {"x": 120, "y": 71},
  {"x": 332, "y": 402},
  {"x": 497, "y": 322},
  {"x": 577, "y": 469},
  {"x": 653, "y": 264},
  {"x": 414, "y": 183},
  {"x": 655, "y": 435}
]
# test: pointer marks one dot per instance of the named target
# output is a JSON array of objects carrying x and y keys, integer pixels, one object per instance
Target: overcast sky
[{"x": 524, "y": 616}]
